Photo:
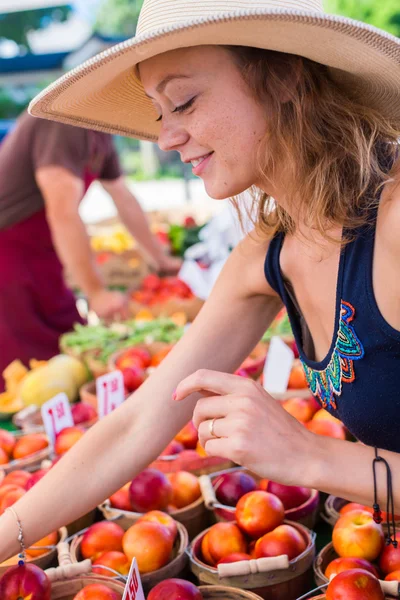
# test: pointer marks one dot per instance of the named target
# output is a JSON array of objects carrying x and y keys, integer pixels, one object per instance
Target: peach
[
  {"x": 37, "y": 549},
  {"x": 173, "y": 448},
  {"x": 354, "y": 506},
  {"x": 324, "y": 415},
  {"x": 389, "y": 560},
  {"x": 234, "y": 557},
  {"x": 150, "y": 490},
  {"x": 97, "y": 591},
  {"x": 230, "y": 487},
  {"x": 101, "y": 537},
  {"x": 327, "y": 428},
  {"x": 185, "y": 488},
  {"x": 345, "y": 564},
  {"x": 67, "y": 438},
  {"x": 188, "y": 436},
  {"x": 83, "y": 412},
  {"x": 259, "y": 512},
  {"x": 11, "y": 498},
  {"x": 157, "y": 516},
  {"x": 356, "y": 535},
  {"x": 300, "y": 408},
  {"x": 205, "y": 550},
  {"x": 27, "y": 582},
  {"x": 290, "y": 495},
  {"x": 121, "y": 499},
  {"x": 297, "y": 378},
  {"x": 37, "y": 476},
  {"x": 355, "y": 584},
  {"x": 395, "y": 576},
  {"x": 30, "y": 444},
  {"x": 224, "y": 539},
  {"x": 150, "y": 543},
  {"x": 20, "y": 478},
  {"x": 178, "y": 589},
  {"x": 263, "y": 485},
  {"x": 114, "y": 560},
  {"x": 7, "y": 441},
  {"x": 284, "y": 539},
  {"x": 8, "y": 487},
  {"x": 4, "y": 458}
]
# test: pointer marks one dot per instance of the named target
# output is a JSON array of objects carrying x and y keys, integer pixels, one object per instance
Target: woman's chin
[{"x": 222, "y": 192}]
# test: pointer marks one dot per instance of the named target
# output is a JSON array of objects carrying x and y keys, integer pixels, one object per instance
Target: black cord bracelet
[{"x": 377, "y": 516}]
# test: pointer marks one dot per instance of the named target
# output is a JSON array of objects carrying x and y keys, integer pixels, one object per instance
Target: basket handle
[
  {"x": 207, "y": 491},
  {"x": 251, "y": 567},
  {"x": 391, "y": 588},
  {"x": 67, "y": 568}
]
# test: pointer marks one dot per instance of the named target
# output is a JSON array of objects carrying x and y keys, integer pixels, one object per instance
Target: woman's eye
[{"x": 180, "y": 109}]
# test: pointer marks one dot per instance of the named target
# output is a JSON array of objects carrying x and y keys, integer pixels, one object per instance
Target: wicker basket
[
  {"x": 198, "y": 465},
  {"x": 173, "y": 569},
  {"x": 43, "y": 561},
  {"x": 222, "y": 592},
  {"x": 29, "y": 420},
  {"x": 306, "y": 514},
  {"x": 194, "y": 517},
  {"x": 322, "y": 560},
  {"x": 287, "y": 584},
  {"x": 67, "y": 590},
  {"x": 332, "y": 508},
  {"x": 29, "y": 463}
]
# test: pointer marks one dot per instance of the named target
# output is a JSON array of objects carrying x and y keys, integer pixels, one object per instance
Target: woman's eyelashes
[{"x": 182, "y": 108}]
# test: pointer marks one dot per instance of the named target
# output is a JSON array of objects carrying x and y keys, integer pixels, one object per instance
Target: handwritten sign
[
  {"x": 133, "y": 588},
  {"x": 278, "y": 366},
  {"x": 56, "y": 415},
  {"x": 110, "y": 392}
]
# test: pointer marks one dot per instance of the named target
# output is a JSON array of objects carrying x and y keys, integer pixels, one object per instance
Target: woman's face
[{"x": 208, "y": 115}]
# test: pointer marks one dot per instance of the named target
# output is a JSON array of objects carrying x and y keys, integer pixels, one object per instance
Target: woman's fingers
[
  {"x": 214, "y": 381},
  {"x": 212, "y": 407}
]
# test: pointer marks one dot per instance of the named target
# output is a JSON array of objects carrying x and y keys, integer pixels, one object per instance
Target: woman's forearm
[{"x": 344, "y": 469}]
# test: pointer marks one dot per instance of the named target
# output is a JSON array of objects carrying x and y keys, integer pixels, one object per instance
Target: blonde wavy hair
[{"x": 337, "y": 152}]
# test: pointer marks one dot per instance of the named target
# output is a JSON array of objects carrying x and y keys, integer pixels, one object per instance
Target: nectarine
[
  {"x": 150, "y": 543},
  {"x": 259, "y": 512},
  {"x": 356, "y": 535},
  {"x": 101, "y": 537}
]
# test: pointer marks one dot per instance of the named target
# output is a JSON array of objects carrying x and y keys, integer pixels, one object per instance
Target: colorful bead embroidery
[{"x": 348, "y": 348}]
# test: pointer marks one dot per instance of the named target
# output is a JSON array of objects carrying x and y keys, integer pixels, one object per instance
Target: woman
[{"x": 320, "y": 141}]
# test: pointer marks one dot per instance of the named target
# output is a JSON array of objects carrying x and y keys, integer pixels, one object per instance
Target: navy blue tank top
[{"x": 358, "y": 380}]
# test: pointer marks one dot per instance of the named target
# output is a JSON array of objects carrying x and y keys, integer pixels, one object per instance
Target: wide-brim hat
[{"x": 106, "y": 94}]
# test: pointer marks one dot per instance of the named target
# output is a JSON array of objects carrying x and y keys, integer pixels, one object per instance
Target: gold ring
[{"x": 212, "y": 428}]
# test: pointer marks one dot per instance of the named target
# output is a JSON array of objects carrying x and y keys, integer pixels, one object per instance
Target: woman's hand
[{"x": 238, "y": 420}]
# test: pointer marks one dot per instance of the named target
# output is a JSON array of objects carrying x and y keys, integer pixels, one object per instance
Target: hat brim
[{"x": 105, "y": 94}]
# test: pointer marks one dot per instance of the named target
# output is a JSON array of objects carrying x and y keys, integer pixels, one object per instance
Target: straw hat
[{"x": 105, "y": 94}]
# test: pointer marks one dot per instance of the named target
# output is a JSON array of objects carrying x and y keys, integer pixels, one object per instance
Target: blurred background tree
[
  {"x": 384, "y": 14},
  {"x": 16, "y": 26},
  {"x": 118, "y": 17}
]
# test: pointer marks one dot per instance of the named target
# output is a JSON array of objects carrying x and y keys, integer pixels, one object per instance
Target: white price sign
[
  {"x": 133, "y": 588},
  {"x": 278, "y": 366},
  {"x": 56, "y": 415},
  {"x": 110, "y": 392}
]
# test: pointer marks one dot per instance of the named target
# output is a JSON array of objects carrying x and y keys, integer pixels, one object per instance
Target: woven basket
[
  {"x": 222, "y": 592},
  {"x": 29, "y": 463},
  {"x": 43, "y": 561},
  {"x": 173, "y": 569},
  {"x": 334, "y": 504},
  {"x": 322, "y": 560},
  {"x": 286, "y": 584},
  {"x": 306, "y": 514},
  {"x": 193, "y": 517},
  {"x": 67, "y": 590},
  {"x": 29, "y": 420}
]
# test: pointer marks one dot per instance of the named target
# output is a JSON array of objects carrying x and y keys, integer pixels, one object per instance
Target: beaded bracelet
[
  {"x": 377, "y": 516},
  {"x": 22, "y": 554}
]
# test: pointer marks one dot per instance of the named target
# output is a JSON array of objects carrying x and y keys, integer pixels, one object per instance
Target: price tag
[
  {"x": 133, "y": 588},
  {"x": 110, "y": 392},
  {"x": 56, "y": 415},
  {"x": 278, "y": 366}
]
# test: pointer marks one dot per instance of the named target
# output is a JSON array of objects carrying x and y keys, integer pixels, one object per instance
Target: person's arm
[
  {"x": 62, "y": 192},
  {"x": 111, "y": 453},
  {"x": 135, "y": 221}
]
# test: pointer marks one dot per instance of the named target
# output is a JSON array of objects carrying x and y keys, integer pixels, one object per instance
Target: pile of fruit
[
  {"x": 258, "y": 531},
  {"x": 157, "y": 290},
  {"x": 17, "y": 448},
  {"x": 314, "y": 418}
]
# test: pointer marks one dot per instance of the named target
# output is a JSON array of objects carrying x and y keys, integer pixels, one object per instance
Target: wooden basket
[
  {"x": 322, "y": 560},
  {"x": 149, "y": 580},
  {"x": 332, "y": 508},
  {"x": 29, "y": 463},
  {"x": 193, "y": 517},
  {"x": 67, "y": 590},
  {"x": 43, "y": 561},
  {"x": 287, "y": 584},
  {"x": 30, "y": 420},
  {"x": 222, "y": 592},
  {"x": 306, "y": 514},
  {"x": 198, "y": 465}
]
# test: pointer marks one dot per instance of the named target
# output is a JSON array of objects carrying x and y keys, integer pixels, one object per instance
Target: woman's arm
[
  {"x": 254, "y": 430},
  {"x": 238, "y": 312}
]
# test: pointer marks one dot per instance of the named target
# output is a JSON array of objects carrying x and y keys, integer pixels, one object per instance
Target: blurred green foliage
[
  {"x": 118, "y": 17},
  {"x": 383, "y": 14},
  {"x": 17, "y": 25}
]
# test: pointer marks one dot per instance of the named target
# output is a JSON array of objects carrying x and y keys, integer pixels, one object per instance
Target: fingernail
[{"x": 174, "y": 395}]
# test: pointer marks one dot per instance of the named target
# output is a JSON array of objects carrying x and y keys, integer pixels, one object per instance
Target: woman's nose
[{"x": 172, "y": 137}]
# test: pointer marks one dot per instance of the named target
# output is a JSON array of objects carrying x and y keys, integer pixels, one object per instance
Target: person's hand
[
  {"x": 250, "y": 427},
  {"x": 169, "y": 265},
  {"x": 107, "y": 304}
]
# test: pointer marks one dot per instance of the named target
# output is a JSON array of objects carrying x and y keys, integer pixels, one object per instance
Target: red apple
[
  {"x": 26, "y": 582},
  {"x": 389, "y": 560},
  {"x": 291, "y": 496},
  {"x": 284, "y": 539},
  {"x": 150, "y": 490},
  {"x": 133, "y": 378},
  {"x": 355, "y": 584},
  {"x": 230, "y": 487},
  {"x": 82, "y": 412},
  {"x": 356, "y": 535},
  {"x": 175, "y": 589}
]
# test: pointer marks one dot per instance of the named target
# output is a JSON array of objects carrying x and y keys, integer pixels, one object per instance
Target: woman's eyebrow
[{"x": 161, "y": 86}]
